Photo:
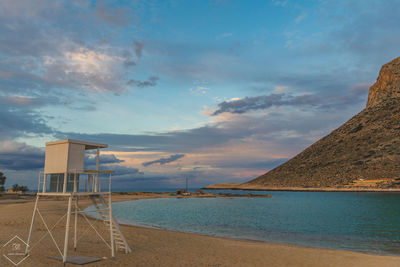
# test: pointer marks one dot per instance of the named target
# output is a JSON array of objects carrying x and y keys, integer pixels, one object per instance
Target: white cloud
[
  {"x": 279, "y": 2},
  {"x": 88, "y": 61},
  {"x": 281, "y": 88},
  {"x": 224, "y": 35},
  {"x": 16, "y": 147},
  {"x": 199, "y": 90},
  {"x": 300, "y": 18},
  {"x": 95, "y": 70}
]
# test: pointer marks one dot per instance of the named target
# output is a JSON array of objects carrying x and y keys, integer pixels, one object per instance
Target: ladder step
[{"x": 104, "y": 210}]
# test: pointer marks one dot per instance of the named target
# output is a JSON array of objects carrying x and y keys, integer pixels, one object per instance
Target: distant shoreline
[{"x": 299, "y": 189}]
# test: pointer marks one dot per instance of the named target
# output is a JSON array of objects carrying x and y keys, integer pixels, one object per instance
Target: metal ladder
[{"x": 106, "y": 215}]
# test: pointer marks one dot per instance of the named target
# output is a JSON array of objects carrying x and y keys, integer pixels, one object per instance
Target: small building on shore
[{"x": 12, "y": 192}]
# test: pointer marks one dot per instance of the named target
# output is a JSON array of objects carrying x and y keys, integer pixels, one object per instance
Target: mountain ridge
[
  {"x": 362, "y": 153},
  {"x": 366, "y": 147}
]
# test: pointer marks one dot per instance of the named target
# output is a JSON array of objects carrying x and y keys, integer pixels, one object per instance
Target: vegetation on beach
[
  {"x": 2, "y": 182},
  {"x": 17, "y": 187}
]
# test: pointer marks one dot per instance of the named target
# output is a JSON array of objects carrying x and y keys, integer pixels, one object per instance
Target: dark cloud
[
  {"x": 90, "y": 159},
  {"x": 163, "y": 161},
  {"x": 129, "y": 63},
  {"x": 272, "y": 127},
  {"x": 17, "y": 118},
  {"x": 355, "y": 95},
  {"x": 264, "y": 102},
  {"x": 169, "y": 141},
  {"x": 18, "y": 162},
  {"x": 138, "y": 48},
  {"x": 116, "y": 16},
  {"x": 53, "y": 54},
  {"x": 20, "y": 157},
  {"x": 152, "y": 81},
  {"x": 123, "y": 171},
  {"x": 128, "y": 58}
]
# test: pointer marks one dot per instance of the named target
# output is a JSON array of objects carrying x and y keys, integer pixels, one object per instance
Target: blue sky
[{"x": 216, "y": 91}]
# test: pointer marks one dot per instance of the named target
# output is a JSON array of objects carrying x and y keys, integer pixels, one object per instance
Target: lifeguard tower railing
[{"x": 78, "y": 182}]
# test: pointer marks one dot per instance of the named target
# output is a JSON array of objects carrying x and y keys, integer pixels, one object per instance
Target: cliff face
[
  {"x": 367, "y": 146},
  {"x": 387, "y": 85}
]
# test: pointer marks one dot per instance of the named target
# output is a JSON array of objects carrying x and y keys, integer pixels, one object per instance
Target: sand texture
[{"x": 153, "y": 247}]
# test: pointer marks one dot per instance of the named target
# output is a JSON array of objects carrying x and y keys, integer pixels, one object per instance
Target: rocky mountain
[{"x": 364, "y": 149}]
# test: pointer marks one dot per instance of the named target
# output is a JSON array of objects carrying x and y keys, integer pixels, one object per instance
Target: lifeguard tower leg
[
  {"x": 67, "y": 230},
  {"x": 30, "y": 230},
  {"x": 111, "y": 227},
  {"x": 76, "y": 222}
]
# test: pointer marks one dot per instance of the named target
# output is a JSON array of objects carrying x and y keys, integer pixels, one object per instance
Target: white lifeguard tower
[{"x": 64, "y": 176}]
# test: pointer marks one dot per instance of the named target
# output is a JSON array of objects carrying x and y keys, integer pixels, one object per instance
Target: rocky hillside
[{"x": 367, "y": 147}]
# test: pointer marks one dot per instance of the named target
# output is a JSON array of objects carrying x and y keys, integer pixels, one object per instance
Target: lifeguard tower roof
[
  {"x": 68, "y": 155},
  {"x": 88, "y": 145}
]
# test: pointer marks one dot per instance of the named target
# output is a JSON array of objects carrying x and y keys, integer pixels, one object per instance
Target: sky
[{"x": 212, "y": 91}]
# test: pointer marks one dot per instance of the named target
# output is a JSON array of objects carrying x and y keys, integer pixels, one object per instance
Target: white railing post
[
  {"x": 38, "y": 187},
  {"x": 44, "y": 182},
  {"x": 76, "y": 222},
  {"x": 65, "y": 182},
  {"x": 75, "y": 183},
  {"x": 67, "y": 230},
  {"x": 109, "y": 184},
  {"x": 111, "y": 226}
]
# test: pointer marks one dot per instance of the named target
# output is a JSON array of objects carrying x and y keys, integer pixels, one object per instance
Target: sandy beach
[{"x": 154, "y": 247}]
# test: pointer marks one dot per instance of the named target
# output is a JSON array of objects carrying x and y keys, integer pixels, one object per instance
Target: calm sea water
[{"x": 366, "y": 222}]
